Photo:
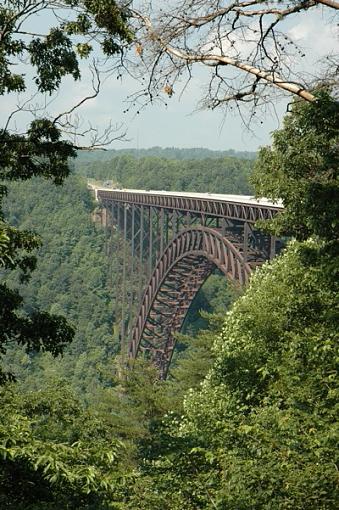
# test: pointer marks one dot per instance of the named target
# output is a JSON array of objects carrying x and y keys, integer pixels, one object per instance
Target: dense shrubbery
[{"x": 261, "y": 431}]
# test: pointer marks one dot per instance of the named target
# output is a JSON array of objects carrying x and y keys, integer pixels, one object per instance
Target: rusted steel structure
[{"x": 175, "y": 241}]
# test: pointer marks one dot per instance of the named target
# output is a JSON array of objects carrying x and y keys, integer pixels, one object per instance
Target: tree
[
  {"x": 301, "y": 169},
  {"x": 246, "y": 47},
  {"x": 41, "y": 149},
  {"x": 36, "y": 63},
  {"x": 55, "y": 453},
  {"x": 260, "y": 431}
]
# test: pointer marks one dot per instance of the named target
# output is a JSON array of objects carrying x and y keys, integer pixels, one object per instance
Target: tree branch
[
  {"x": 329, "y": 3},
  {"x": 212, "y": 59},
  {"x": 291, "y": 87}
]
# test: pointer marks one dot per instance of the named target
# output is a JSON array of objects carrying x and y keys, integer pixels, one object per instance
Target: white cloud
[{"x": 318, "y": 36}]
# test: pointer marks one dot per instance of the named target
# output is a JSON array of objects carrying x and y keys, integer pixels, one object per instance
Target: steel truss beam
[
  {"x": 202, "y": 206},
  {"x": 174, "y": 243},
  {"x": 180, "y": 272}
]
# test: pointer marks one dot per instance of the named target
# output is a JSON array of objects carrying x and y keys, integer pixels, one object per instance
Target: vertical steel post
[
  {"x": 246, "y": 233},
  {"x": 188, "y": 219},
  {"x": 123, "y": 335},
  {"x": 112, "y": 212},
  {"x": 150, "y": 243},
  {"x": 161, "y": 232},
  {"x": 141, "y": 249},
  {"x": 273, "y": 240},
  {"x": 166, "y": 226},
  {"x": 118, "y": 215},
  {"x": 223, "y": 227},
  {"x": 174, "y": 223},
  {"x": 157, "y": 235},
  {"x": 132, "y": 236},
  {"x": 132, "y": 290}
]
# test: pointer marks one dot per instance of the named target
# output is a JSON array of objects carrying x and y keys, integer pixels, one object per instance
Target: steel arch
[{"x": 180, "y": 272}]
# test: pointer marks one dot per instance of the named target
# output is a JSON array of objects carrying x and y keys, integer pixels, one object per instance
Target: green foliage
[
  {"x": 108, "y": 17},
  {"x": 251, "y": 424},
  {"x": 215, "y": 296},
  {"x": 54, "y": 453},
  {"x": 52, "y": 54},
  {"x": 195, "y": 153},
  {"x": 36, "y": 330},
  {"x": 224, "y": 175},
  {"x": 192, "y": 361},
  {"x": 54, "y": 51},
  {"x": 75, "y": 279},
  {"x": 41, "y": 151},
  {"x": 301, "y": 169},
  {"x": 261, "y": 431}
]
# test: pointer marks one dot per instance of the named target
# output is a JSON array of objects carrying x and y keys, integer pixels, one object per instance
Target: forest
[
  {"x": 218, "y": 175},
  {"x": 247, "y": 418},
  {"x": 195, "y": 153},
  {"x": 257, "y": 376}
]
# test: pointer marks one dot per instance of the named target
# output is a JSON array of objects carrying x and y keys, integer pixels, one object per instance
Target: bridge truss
[{"x": 174, "y": 241}]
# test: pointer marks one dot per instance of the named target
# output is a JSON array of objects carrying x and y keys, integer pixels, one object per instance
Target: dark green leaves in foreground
[
  {"x": 302, "y": 169},
  {"x": 54, "y": 454},
  {"x": 40, "y": 153},
  {"x": 54, "y": 52},
  {"x": 261, "y": 431}
]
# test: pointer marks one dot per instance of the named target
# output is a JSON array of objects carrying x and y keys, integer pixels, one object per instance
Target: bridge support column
[
  {"x": 272, "y": 247},
  {"x": 174, "y": 223},
  {"x": 245, "y": 244},
  {"x": 161, "y": 249},
  {"x": 141, "y": 250},
  {"x": 123, "y": 304},
  {"x": 150, "y": 242}
]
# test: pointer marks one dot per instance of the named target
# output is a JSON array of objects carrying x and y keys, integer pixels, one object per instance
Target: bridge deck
[
  {"x": 175, "y": 240},
  {"x": 244, "y": 207}
]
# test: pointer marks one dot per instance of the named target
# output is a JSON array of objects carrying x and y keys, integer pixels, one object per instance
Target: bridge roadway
[
  {"x": 245, "y": 207},
  {"x": 172, "y": 242}
]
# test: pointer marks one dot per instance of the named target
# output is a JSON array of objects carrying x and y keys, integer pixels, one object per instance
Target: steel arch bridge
[{"x": 172, "y": 243}]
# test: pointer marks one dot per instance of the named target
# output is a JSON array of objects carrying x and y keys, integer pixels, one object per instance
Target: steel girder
[
  {"x": 180, "y": 272},
  {"x": 174, "y": 243},
  {"x": 250, "y": 213}
]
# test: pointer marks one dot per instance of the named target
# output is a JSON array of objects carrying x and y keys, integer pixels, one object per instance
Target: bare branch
[
  {"x": 214, "y": 59},
  {"x": 270, "y": 77},
  {"x": 96, "y": 84},
  {"x": 329, "y": 3}
]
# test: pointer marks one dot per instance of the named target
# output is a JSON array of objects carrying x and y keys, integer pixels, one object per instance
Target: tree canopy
[
  {"x": 260, "y": 430},
  {"x": 249, "y": 54},
  {"x": 39, "y": 148},
  {"x": 301, "y": 169}
]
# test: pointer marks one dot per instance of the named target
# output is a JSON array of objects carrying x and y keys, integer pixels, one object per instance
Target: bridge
[{"x": 172, "y": 243}]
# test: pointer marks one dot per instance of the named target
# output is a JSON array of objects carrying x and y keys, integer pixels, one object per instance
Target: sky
[{"x": 179, "y": 123}]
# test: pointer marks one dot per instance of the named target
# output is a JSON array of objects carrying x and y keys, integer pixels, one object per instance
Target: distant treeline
[
  {"x": 165, "y": 152},
  {"x": 222, "y": 175}
]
